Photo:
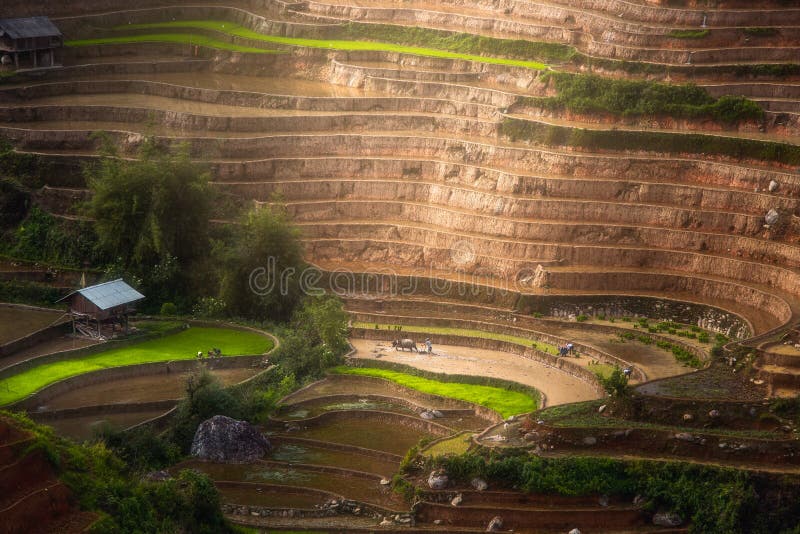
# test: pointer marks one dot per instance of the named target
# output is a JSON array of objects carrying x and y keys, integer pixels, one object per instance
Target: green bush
[
  {"x": 169, "y": 309},
  {"x": 760, "y": 32},
  {"x": 661, "y": 142},
  {"x": 589, "y": 93},
  {"x": 703, "y": 337},
  {"x": 616, "y": 383},
  {"x": 689, "y": 34},
  {"x": 581, "y": 318}
]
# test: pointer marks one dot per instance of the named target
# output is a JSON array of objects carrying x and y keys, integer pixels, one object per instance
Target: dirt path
[{"x": 558, "y": 387}]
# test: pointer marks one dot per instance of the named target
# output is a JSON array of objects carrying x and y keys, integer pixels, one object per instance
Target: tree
[
  {"x": 263, "y": 266},
  {"x": 616, "y": 384},
  {"x": 151, "y": 214}
]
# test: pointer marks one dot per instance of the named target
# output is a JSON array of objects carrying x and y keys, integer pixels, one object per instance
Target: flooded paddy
[
  {"x": 370, "y": 434},
  {"x": 302, "y": 453},
  {"x": 362, "y": 385},
  {"x": 234, "y": 82},
  {"x": 84, "y": 427},
  {"x": 257, "y": 496},
  {"x": 367, "y": 490},
  {"x": 59, "y": 344},
  {"x": 18, "y": 322},
  {"x": 146, "y": 388},
  {"x": 323, "y": 405}
]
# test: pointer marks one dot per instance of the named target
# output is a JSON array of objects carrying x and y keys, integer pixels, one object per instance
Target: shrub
[
  {"x": 616, "y": 383},
  {"x": 169, "y": 309},
  {"x": 581, "y": 318},
  {"x": 689, "y": 34},
  {"x": 703, "y": 337}
]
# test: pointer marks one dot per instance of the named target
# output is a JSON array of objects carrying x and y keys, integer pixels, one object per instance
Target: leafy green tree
[
  {"x": 616, "y": 384},
  {"x": 262, "y": 266},
  {"x": 151, "y": 214}
]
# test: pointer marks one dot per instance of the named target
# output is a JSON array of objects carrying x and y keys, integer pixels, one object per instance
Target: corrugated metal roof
[
  {"x": 28, "y": 27},
  {"x": 109, "y": 294}
]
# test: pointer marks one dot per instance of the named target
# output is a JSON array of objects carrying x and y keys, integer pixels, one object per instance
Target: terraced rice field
[{"x": 181, "y": 346}]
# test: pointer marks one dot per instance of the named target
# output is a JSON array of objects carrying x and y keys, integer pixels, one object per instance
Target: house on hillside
[
  {"x": 31, "y": 42},
  {"x": 98, "y": 310}
]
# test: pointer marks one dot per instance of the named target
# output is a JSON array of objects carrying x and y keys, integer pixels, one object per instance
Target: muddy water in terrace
[
  {"x": 18, "y": 322},
  {"x": 308, "y": 454},
  {"x": 233, "y": 82},
  {"x": 361, "y": 489},
  {"x": 371, "y": 434}
]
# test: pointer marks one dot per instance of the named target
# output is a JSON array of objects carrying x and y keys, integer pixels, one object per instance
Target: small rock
[
  {"x": 495, "y": 525},
  {"x": 602, "y": 408},
  {"x": 426, "y": 415},
  {"x": 638, "y": 500},
  {"x": 437, "y": 413},
  {"x": 713, "y": 414},
  {"x": 438, "y": 479},
  {"x": 479, "y": 484},
  {"x": 437, "y": 521},
  {"x": 458, "y": 499},
  {"x": 772, "y": 217},
  {"x": 688, "y": 417},
  {"x": 574, "y": 531},
  {"x": 531, "y": 436},
  {"x": 386, "y": 522},
  {"x": 773, "y": 186},
  {"x": 511, "y": 418},
  {"x": 385, "y": 482},
  {"x": 685, "y": 436},
  {"x": 603, "y": 501},
  {"x": 589, "y": 440},
  {"x": 157, "y": 476},
  {"x": 667, "y": 519}
]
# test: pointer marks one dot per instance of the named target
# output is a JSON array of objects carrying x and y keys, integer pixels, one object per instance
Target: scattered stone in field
[
  {"x": 426, "y": 415},
  {"x": 511, "y": 418},
  {"x": 438, "y": 479},
  {"x": 157, "y": 476},
  {"x": 222, "y": 439},
  {"x": 479, "y": 484},
  {"x": 589, "y": 440},
  {"x": 437, "y": 521},
  {"x": 773, "y": 186},
  {"x": 458, "y": 499},
  {"x": 602, "y": 408},
  {"x": 667, "y": 519},
  {"x": 688, "y": 417},
  {"x": 531, "y": 436},
  {"x": 386, "y": 522},
  {"x": 771, "y": 217},
  {"x": 385, "y": 482},
  {"x": 603, "y": 501},
  {"x": 495, "y": 525},
  {"x": 574, "y": 531},
  {"x": 685, "y": 436},
  {"x": 713, "y": 414},
  {"x": 437, "y": 413},
  {"x": 638, "y": 500}
]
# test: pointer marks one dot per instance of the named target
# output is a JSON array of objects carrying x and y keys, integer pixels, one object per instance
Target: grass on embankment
[
  {"x": 466, "y": 332},
  {"x": 500, "y": 400},
  {"x": 178, "y": 38},
  {"x": 738, "y": 148},
  {"x": 181, "y": 346},
  {"x": 332, "y": 44}
]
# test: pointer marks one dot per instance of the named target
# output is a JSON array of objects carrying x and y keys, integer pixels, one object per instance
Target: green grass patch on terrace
[
  {"x": 502, "y": 401},
  {"x": 585, "y": 415},
  {"x": 181, "y": 346},
  {"x": 689, "y": 34},
  {"x": 332, "y": 44},
  {"x": 466, "y": 332},
  {"x": 457, "y": 444},
  {"x": 737, "y": 148},
  {"x": 177, "y": 38},
  {"x": 589, "y": 93}
]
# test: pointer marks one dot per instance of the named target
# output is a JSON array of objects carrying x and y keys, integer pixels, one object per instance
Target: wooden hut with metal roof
[
  {"x": 101, "y": 306},
  {"x": 30, "y": 42}
]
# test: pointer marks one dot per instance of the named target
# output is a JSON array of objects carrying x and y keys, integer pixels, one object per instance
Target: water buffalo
[{"x": 404, "y": 344}]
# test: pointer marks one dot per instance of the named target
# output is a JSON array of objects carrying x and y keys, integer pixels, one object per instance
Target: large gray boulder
[
  {"x": 222, "y": 439},
  {"x": 438, "y": 480}
]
